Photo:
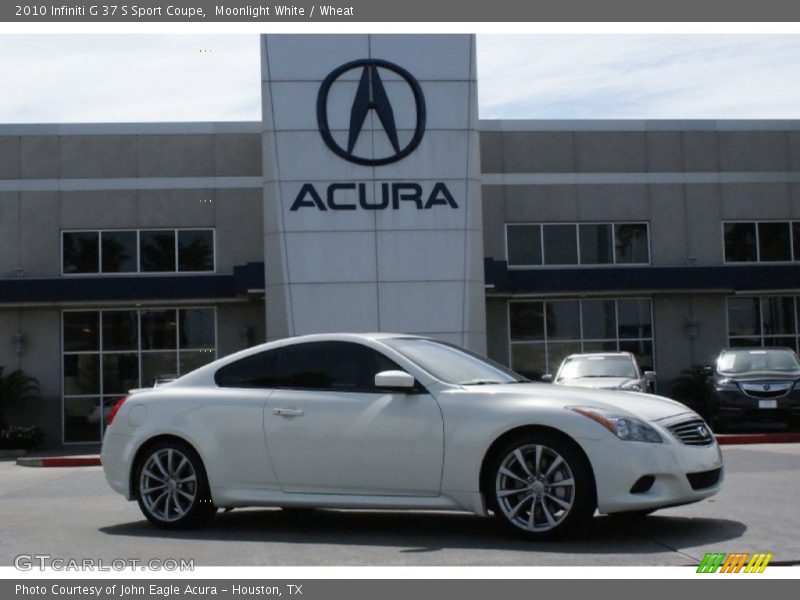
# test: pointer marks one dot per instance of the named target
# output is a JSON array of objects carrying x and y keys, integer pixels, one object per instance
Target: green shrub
[
  {"x": 19, "y": 437},
  {"x": 18, "y": 387}
]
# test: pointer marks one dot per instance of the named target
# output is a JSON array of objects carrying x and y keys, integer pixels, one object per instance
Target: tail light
[{"x": 115, "y": 410}]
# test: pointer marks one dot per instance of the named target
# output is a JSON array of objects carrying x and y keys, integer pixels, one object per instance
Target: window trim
[
  {"x": 139, "y": 271},
  {"x": 101, "y": 352},
  {"x": 544, "y": 342},
  {"x": 579, "y": 264}
]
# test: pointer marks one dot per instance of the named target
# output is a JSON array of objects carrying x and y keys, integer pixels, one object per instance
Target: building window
[
  {"x": 597, "y": 247},
  {"x": 763, "y": 321},
  {"x": 118, "y": 251},
  {"x": 138, "y": 251},
  {"x": 544, "y": 332},
  {"x": 560, "y": 244},
  {"x": 761, "y": 241},
  {"x": 740, "y": 242},
  {"x": 108, "y": 352},
  {"x": 157, "y": 250},
  {"x": 81, "y": 251},
  {"x": 195, "y": 250},
  {"x": 569, "y": 244}
]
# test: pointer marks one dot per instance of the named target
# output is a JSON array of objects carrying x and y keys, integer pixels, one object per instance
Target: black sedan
[{"x": 755, "y": 384}]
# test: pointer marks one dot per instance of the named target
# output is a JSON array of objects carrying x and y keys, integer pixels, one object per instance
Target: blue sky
[{"x": 97, "y": 78}]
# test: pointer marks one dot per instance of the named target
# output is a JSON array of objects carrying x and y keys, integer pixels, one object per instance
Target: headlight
[
  {"x": 625, "y": 428},
  {"x": 725, "y": 385}
]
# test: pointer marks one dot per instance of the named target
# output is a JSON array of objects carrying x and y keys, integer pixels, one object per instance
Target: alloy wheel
[
  {"x": 168, "y": 485},
  {"x": 535, "y": 488}
]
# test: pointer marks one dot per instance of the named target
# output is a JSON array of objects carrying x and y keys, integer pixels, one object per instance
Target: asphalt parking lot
[{"x": 70, "y": 513}]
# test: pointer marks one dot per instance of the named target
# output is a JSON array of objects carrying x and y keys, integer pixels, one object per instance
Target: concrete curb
[
  {"x": 12, "y": 453},
  {"x": 758, "y": 438},
  {"x": 58, "y": 461}
]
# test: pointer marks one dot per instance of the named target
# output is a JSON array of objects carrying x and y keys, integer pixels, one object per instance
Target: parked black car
[{"x": 755, "y": 384}]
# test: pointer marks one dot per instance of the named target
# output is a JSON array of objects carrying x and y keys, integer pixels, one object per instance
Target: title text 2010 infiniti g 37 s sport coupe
[{"x": 401, "y": 422}]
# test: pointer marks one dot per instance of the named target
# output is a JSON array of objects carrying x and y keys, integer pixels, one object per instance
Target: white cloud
[
  {"x": 101, "y": 78},
  {"x": 632, "y": 76}
]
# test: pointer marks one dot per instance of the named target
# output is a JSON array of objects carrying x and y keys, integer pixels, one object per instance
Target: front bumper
[
  {"x": 681, "y": 474},
  {"x": 735, "y": 405}
]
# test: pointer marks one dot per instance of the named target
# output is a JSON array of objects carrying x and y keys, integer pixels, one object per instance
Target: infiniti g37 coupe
[{"x": 385, "y": 421}]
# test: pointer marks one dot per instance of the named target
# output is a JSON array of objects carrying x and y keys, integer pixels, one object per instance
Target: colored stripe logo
[{"x": 736, "y": 562}]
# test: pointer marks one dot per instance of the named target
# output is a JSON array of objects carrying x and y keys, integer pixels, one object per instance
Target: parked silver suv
[{"x": 605, "y": 371}]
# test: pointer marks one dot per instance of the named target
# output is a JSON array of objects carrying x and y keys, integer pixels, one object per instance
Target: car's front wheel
[
  {"x": 542, "y": 486},
  {"x": 172, "y": 487}
]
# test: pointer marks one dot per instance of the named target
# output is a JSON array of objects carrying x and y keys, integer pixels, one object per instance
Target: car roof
[
  {"x": 202, "y": 372},
  {"x": 755, "y": 348},
  {"x": 590, "y": 354},
  {"x": 343, "y": 336}
]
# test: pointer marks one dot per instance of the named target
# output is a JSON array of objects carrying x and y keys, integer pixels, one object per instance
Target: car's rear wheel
[
  {"x": 172, "y": 487},
  {"x": 542, "y": 486}
]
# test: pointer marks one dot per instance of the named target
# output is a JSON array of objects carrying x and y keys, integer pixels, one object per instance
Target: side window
[
  {"x": 254, "y": 371},
  {"x": 332, "y": 366}
]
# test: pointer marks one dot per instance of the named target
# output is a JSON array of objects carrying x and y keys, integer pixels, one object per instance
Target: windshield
[
  {"x": 744, "y": 361},
  {"x": 452, "y": 364},
  {"x": 597, "y": 366}
]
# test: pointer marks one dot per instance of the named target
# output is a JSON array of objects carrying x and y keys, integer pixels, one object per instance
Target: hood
[
  {"x": 760, "y": 376},
  {"x": 645, "y": 406},
  {"x": 601, "y": 383}
]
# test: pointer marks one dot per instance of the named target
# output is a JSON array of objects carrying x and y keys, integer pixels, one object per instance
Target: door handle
[{"x": 287, "y": 412}]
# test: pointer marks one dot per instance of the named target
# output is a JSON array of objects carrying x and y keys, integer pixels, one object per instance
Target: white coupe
[{"x": 386, "y": 421}]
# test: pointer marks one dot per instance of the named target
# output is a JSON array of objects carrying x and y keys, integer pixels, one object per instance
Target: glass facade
[
  {"x": 544, "y": 332},
  {"x": 565, "y": 244},
  {"x": 137, "y": 251},
  {"x": 761, "y": 241},
  {"x": 108, "y": 352},
  {"x": 763, "y": 321}
]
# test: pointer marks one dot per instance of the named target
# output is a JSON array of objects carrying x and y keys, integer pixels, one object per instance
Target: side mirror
[
  {"x": 650, "y": 376},
  {"x": 707, "y": 371},
  {"x": 547, "y": 378},
  {"x": 394, "y": 380}
]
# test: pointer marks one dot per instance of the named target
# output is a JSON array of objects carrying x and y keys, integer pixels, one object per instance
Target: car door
[{"x": 329, "y": 430}]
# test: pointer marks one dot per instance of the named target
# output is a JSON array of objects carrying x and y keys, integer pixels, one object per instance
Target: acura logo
[
  {"x": 371, "y": 96},
  {"x": 767, "y": 387}
]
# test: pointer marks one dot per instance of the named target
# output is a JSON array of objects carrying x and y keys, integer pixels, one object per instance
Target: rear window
[{"x": 254, "y": 371}]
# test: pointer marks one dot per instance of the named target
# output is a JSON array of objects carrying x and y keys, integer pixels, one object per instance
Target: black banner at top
[{"x": 211, "y": 11}]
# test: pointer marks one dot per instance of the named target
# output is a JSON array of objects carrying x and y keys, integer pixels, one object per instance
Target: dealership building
[{"x": 371, "y": 197}]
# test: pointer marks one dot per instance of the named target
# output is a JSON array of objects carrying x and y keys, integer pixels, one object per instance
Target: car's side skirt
[{"x": 230, "y": 498}]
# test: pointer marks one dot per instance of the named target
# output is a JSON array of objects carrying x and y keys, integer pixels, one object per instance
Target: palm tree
[{"x": 16, "y": 387}]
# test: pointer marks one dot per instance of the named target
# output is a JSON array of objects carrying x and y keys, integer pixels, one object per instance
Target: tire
[
  {"x": 172, "y": 486},
  {"x": 557, "y": 499}
]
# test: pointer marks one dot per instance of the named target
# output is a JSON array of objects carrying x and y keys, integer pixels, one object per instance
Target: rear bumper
[{"x": 116, "y": 456}]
